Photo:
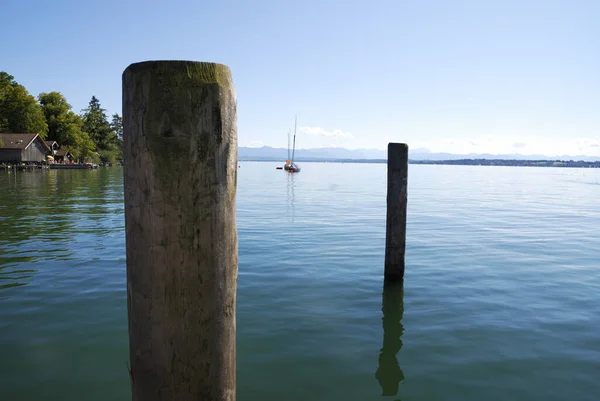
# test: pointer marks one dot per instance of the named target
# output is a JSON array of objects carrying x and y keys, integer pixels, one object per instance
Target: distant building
[
  {"x": 53, "y": 145},
  {"x": 23, "y": 148},
  {"x": 63, "y": 156}
]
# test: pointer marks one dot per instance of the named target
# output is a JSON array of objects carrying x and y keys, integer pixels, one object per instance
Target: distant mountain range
[{"x": 267, "y": 153}]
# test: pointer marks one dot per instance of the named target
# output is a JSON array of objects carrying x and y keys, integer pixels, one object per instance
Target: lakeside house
[
  {"x": 63, "y": 156},
  {"x": 23, "y": 148},
  {"x": 53, "y": 145},
  {"x": 30, "y": 148}
]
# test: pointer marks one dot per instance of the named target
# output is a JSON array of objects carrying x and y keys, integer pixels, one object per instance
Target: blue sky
[{"x": 457, "y": 76}]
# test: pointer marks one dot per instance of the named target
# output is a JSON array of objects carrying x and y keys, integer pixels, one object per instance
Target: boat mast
[
  {"x": 289, "y": 140},
  {"x": 294, "y": 148}
]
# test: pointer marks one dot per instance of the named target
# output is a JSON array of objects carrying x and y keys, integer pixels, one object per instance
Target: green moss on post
[{"x": 180, "y": 166}]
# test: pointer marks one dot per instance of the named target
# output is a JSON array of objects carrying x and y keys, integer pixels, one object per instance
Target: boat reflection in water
[{"x": 290, "y": 198}]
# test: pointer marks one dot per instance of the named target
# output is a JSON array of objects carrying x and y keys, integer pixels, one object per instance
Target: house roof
[
  {"x": 12, "y": 141},
  {"x": 50, "y": 143},
  {"x": 62, "y": 152}
]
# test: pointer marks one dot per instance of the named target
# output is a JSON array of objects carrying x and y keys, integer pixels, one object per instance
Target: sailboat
[{"x": 290, "y": 166}]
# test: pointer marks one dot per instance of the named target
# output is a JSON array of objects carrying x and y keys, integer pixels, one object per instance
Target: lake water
[{"x": 501, "y": 299}]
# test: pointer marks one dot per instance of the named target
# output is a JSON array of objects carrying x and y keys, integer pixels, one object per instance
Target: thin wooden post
[
  {"x": 180, "y": 172},
  {"x": 395, "y": 242}
]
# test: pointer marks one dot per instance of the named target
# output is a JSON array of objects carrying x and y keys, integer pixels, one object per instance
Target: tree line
[{"x": 89, "y": 136}]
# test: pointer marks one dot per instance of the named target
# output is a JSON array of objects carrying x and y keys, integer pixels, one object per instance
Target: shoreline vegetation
[
  {"x": 459, "y": 162},
  {"x": 89, "y": 136}
]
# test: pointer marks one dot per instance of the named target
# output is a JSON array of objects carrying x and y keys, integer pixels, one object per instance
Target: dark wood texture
[
  {"x": 180, "y": 172},
  {"x": 395, "y": 241}
]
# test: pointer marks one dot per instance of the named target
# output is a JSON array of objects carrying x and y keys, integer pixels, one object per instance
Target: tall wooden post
[
  {"x": 395, "y": 241},
  {"x": 180, "y": 172}
]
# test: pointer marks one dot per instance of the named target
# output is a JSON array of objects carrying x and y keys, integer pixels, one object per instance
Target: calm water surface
[{"x": 501, "y": 299}]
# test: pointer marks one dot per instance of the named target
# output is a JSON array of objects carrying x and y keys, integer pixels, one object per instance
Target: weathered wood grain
[
  {"x": 180, "y": 172},
  {"x": 395, "y": 244}
]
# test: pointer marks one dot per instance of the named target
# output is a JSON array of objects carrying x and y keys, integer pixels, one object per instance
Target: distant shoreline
[{"x": 460, "y": 162}]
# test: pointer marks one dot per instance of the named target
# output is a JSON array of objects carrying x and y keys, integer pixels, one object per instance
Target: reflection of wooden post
[
  {"x": 389, "y": 374},
  {"x": 395, "y": 241},
  {"x": 180, "y": 166}
]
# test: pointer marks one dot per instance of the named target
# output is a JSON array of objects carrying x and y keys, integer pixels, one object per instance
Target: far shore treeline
[{"x": 89, "y": 136}]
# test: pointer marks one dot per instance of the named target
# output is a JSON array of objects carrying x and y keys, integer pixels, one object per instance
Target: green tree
[
  {"x": 96, "y": 124},
  {"x": 104, "y": 134},
  {"x": 117, "y": 126},
  {"x": 86, "y": 149},
  {"x": 101, "y": 132},
  {"x": 64, "y": 126},
  {"x": 19, "y": 111}
]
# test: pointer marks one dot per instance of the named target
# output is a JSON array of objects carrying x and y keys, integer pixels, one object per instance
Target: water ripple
[{"x": 500, "y": 300}]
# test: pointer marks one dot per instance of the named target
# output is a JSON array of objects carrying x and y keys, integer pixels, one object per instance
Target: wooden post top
[
  {"x": 397, "y": 156},
  {"x": 202, "y": 72}
]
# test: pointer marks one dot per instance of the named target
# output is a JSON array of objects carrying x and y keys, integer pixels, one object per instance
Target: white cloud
[
  {"x": 255, "y": 144},
  {"x": 318, "y": 131}
]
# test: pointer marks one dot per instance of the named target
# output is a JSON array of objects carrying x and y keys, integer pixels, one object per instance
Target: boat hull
[{"x": 292, "y": 168}]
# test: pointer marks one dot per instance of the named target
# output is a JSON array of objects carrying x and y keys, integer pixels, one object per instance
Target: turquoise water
[{"x": 501, "y": 299}]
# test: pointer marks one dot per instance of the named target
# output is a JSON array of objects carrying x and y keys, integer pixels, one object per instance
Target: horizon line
[{"x": 433, "y": 153}]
